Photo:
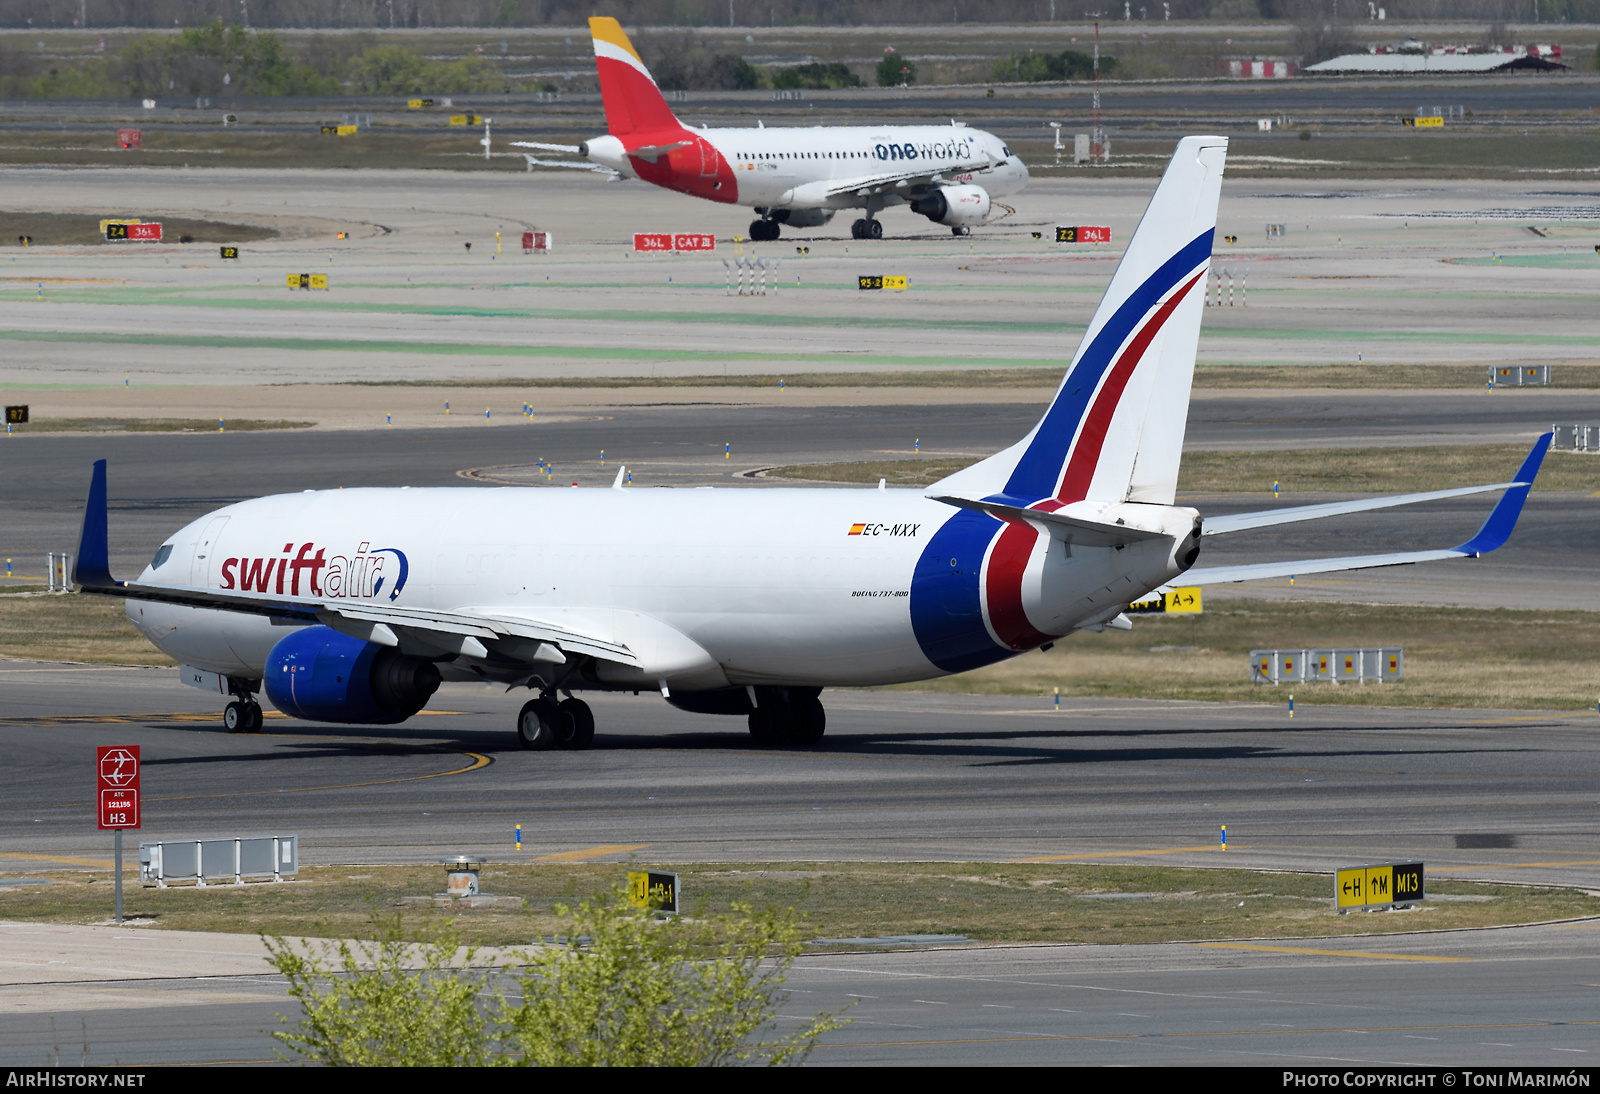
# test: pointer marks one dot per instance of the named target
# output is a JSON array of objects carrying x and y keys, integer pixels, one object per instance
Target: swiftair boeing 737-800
[
  {"x": 794, "y": 176},
  {"x": 352, "y": 605}
]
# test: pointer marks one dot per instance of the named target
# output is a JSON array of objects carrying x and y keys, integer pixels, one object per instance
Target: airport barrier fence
[
  {"x": 206, "y": 861},
  {"x": 1333, "y": 666}
]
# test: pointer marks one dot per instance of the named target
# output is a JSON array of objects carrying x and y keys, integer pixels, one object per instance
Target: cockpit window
[
  {"x": 1006, "y": 150},
  {"x": 161, "y": 556}
]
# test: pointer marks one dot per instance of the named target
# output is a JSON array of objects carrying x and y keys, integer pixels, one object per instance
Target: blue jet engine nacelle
[{"x": 323, "y": 676}]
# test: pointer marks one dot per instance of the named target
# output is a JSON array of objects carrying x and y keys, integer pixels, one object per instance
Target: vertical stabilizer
[
  {"x": 1115, "y": 429},
  {"x": 633, "y": 102}
]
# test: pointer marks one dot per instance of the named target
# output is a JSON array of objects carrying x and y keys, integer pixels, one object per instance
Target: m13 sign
[{"x": 117, "y": 776}]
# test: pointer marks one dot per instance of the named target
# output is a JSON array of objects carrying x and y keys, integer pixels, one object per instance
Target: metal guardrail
[
  {"x": 1519, "y": 375},
  {"x": 207, "y": 861},
  {"x": 1578, "y": 438},
  {"x": 1333, "y": 666}
]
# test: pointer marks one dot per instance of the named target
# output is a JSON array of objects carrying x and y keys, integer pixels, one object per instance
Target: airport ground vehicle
[
  {"x": 795, "y": 176},
  {"x": 351, "y": 606}
]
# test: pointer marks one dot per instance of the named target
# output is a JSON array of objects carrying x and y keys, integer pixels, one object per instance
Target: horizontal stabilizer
[
  {"x": 1492, "y": 535},
  {"x": 1085, "y": 533},
  {"x": 546, "y": 147},
  {"x": 1238, "y": 522}
]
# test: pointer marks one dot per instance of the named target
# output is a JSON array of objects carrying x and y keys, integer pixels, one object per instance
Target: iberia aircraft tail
[
  {"x": 1114, "y": 431},
  {"x": 632, "y": 100}
]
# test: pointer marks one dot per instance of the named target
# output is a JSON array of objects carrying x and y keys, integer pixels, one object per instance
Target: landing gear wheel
[
  {"x": 574, "y": 725},
  {"x": 769, "y": 725},
  {"x": 964, "y": 230},
  {"x": 764, "y": 231},
  {"x": 807, "y": 722},
  {"x": 874, "y": 229},
  {"x": 858, "y": 230},
  {"x": 536, "y": 725},
  {"x": 235, "y": 718},
  {"x": 253, "y": 718}
]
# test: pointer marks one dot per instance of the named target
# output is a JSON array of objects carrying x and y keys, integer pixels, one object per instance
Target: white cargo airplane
[
  {"x": 794, "y": 176},
  {"x": 351, "y": 606}
]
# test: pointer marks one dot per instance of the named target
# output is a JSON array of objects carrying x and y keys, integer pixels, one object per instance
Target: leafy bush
[
  {"x": 199, "y": 60},
  {"x": 386, "y": 1002},
  {"x": 396, "y": 70},
  {"x": 895, "y": 70},
  {"x": 627, "y": 990},
  {"x": 815, "y": 76},
  {"x": 1040, "y": 67}
]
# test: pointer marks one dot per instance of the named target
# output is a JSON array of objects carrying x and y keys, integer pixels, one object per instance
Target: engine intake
[
  {"x": 954, "y": 206},
  {"x": 323, "y": 676}
]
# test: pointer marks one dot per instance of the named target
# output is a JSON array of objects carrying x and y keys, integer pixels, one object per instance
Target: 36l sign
[{"x": 117, "y": 773}]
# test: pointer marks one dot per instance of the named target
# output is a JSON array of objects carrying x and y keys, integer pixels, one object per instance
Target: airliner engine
[
  {"x": 324, "y": 676},
  {"x": 956, "y": 206}
]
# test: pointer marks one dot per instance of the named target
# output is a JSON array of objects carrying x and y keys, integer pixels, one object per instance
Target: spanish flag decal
[{"x": 857, "y": 529}]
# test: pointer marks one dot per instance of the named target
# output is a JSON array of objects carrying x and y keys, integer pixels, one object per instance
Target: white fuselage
[
  {"x": 804, "y": 168},
  {"x": 708, "y": 587}
]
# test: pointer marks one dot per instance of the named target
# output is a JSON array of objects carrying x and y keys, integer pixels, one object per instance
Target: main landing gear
[
  {"x": 866, "y": 228},
  {"x": 763, "y": 230},
  {"x": 788, "y": 718},
  {"x": 244, "y": 714},
  {"x": 545, "y": 724}
]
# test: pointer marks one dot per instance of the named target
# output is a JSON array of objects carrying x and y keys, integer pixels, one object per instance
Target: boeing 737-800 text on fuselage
[
  {"x": 793, "y": 176},
  {"x": 352, "y": 605}
]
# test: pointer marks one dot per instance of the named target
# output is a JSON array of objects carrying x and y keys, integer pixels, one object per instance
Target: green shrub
[
  {"x": 630, "y": 989},
  {"x": 895, "y": 70},
  {"x": 1040, "y": 67},
  {"x": 815, "y": 76}
]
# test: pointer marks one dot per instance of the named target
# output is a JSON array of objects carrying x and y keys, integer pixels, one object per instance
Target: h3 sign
[{"x": 117, "y": 776}]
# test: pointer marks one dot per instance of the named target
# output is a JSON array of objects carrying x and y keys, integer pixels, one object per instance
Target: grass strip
[
  {"x": 990, "y": 902},
  {"x": 154, "y": 425},
  {"x": 1455, "y": 657},
  {"x": 1307, "y": 471}
]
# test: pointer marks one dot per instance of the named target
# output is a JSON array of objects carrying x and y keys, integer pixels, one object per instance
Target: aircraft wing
[
  {"x": 386, "y": 624},
  {"x": 867, "y": 185},
  {"x": 1492, "y": 535}
]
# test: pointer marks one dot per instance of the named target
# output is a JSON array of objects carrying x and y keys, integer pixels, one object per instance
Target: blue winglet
[
  {"x": 1497, "y": 529},
  {"x": 92, "y": 566}
]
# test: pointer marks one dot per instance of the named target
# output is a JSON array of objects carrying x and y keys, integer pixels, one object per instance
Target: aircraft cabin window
[{"x": 161, "y": 556}]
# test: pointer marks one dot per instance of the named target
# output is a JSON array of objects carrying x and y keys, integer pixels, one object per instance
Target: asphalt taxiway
[{"x": 1509, "y": 997}]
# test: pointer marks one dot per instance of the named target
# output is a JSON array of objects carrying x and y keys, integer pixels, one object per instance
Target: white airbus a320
[
  {"x": 351, "y": 606},
  {"x": 789, "y": 175}
]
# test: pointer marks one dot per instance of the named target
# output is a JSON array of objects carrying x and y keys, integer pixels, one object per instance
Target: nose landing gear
[{"x": 243, "y": 715}]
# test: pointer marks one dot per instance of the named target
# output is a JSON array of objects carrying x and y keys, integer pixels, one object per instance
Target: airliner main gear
[
  {"x": 866, "y": 228},
  {"x": 574, "y": 725},
  {"x": 764, "y": 231},
  {"x": 788, "y": 717},
  {"x": 536, "y": 725}
]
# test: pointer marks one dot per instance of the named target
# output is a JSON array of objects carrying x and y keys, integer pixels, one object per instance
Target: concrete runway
[
  {"x": 904, "y": 776},
  {"x": 1521, "y": 997},
  {"x": 1390, "y": 273}
]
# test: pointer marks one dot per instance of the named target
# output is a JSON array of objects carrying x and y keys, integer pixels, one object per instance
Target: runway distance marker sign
[
  {"x": 117, "y": 780},
  {"x": 1380, "y": 886},
  {"x": 655, "y": 891}
]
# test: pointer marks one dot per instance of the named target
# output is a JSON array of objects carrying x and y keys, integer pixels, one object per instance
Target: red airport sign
[
  {"x": 117, "y": 782},
  {"x": 1083, "y": 233},
  {"x": 663, "y": 242},
  {"x": 147, "y": 231}
]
